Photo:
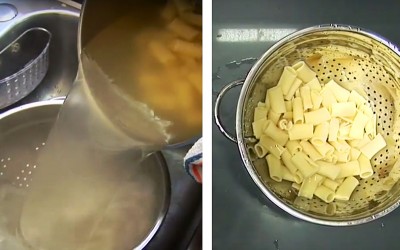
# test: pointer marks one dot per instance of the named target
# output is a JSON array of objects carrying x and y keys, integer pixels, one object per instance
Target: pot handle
[{"x": 220, "y": 95}]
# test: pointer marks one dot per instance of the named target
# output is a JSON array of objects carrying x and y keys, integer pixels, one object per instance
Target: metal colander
[
  {"x": 356, "y": 59},
  {"x": 23, "y": 135}
]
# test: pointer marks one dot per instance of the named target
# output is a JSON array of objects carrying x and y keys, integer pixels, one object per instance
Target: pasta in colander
[{"x": 321, "y": 137}]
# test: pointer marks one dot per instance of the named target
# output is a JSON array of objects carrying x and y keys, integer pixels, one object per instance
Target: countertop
[{"x": 243, "y": 218}]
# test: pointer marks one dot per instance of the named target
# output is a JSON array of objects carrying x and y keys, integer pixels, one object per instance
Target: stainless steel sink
[{"x": 61, "y": 21}]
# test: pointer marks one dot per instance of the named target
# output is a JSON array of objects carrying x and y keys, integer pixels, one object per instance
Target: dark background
[{"x": 243, "y": 218}]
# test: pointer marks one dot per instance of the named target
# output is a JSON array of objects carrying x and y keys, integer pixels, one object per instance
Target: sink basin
[{"x": 62, "y": 22}]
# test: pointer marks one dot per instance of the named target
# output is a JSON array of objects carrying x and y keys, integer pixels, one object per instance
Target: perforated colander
[{"x": 354, "y": 58}]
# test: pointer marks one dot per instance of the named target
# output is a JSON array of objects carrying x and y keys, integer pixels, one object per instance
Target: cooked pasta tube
[
  {"x": 310, "y": 150},
  {"x": 360, "y": 143},
  {"x": 275, "y": 168},
  {"x": 183, "y": 30},
  {"x": 306, "y": 169},
  {"x": 332, "y": 185},
  {"x": 289, "y": 106},
  {"x": 316, "y": 99},
  {"x": 283, "y": 124},
  {"x": 327, "y": 98},
  {"x": 343, "y": 109},
  {"x": 190, "y": 49},
  {"x": 161, "y": 53},
  {"x": 344, "y": 130},
  {"x": 260, "y": 113},
  {"x": 258, "y": 127},
  {"x": 328, "y": 170},
  {"x": 314, "y": 84},
  {"x": 305, "y": 94},
  {"x": 342, "y": 156},
  {"x": 351, "y": 168},
  {"x": 271, "y": 146},
  {"x": 354, "y": 154},
  {"x": 341, "y": 94},
  {"x": 309, "y": 186},
  {"x": 366, "y": 170},
  {"x": 318, "y": 116},
  {"x": 324, "y": 149},
  {"x": 168, "y": 12},
  {"x": 292, "y": 91},
  {"x": 298, "y": 117},
  {"x": 320, "y": 134},
  {"x": 273, "y": 116},
  {"x": 374, "y": 146},
  {"x": 333, "y": 129},
  {"x": 192, "y": 18},
  {"x": 356, "y": 98},
  {"x": 276, "y": 100},
  {"x": 301, "y": 131},
  {"x": 286, "y": 159},
  {"x": 296, "y": 186},
  {"x": 260, "y": 150},
  {"x": 276, "y": 134},
  {"x": 293, "y": 146},
  {"x": 287, "y": 175},
  {"x": 288, "y": 115},
  {"x": 370, "y": 127},
  {"x": 340, "y": 146},
  {"x": 345, "y": 189},
  {"x": 287, "y": 78},
  {"x": 357, "y": 128},
  {"x": 304, "y": 72},
  {"x": 324, "y": 193}
]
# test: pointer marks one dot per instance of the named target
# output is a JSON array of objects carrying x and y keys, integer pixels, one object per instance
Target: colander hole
[
  {"x": 4, "y": 166},
  {"x": 22, "y": 171},
  {"x": 1, "y": 173},
  {"x": 8, "y": 159},
  {"x": 24, "y": 178},
  {"x": 2, "y": 160},
  {"x": 18, "y": 177},
  {"x": 27, "y": 185},
  {"x": 27, "y": 165},
  {"x": 34, "y": 166},
  {"x": 30, "y": 172}
]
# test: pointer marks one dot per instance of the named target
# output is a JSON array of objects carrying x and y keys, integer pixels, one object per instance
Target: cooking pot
[{"x": 117, "y": 106}]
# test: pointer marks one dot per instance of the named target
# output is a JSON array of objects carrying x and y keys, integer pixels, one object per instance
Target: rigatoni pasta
[{"x": 320, "y": 137}]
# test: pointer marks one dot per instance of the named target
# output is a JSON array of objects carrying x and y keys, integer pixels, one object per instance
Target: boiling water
[{"x": 80, "y": 197}]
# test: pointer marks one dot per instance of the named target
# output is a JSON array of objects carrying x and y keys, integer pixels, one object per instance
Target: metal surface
[
  {"x": 218, "y": 105},
  {"x": 61, "y": 19},
  {"x": 24, "y": 132},
  {"x": 7, "y": 12},
  {"x": 24, "y": 62},
  {"x": 339, "y": 53},
  {"x": 257, "y": 223}
]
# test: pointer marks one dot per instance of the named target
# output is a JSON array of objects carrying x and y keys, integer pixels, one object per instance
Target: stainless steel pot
[
  {"x": 96, "y": 15},
  {"x": 348, "y": 55},
  {"x": 24, "y": 132}
]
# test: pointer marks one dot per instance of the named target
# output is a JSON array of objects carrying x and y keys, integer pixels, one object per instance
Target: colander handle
[{"x": 220, "y": 95}]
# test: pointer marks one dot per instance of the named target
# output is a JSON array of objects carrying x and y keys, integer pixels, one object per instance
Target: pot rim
[{"x": 239, "y": 128}]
